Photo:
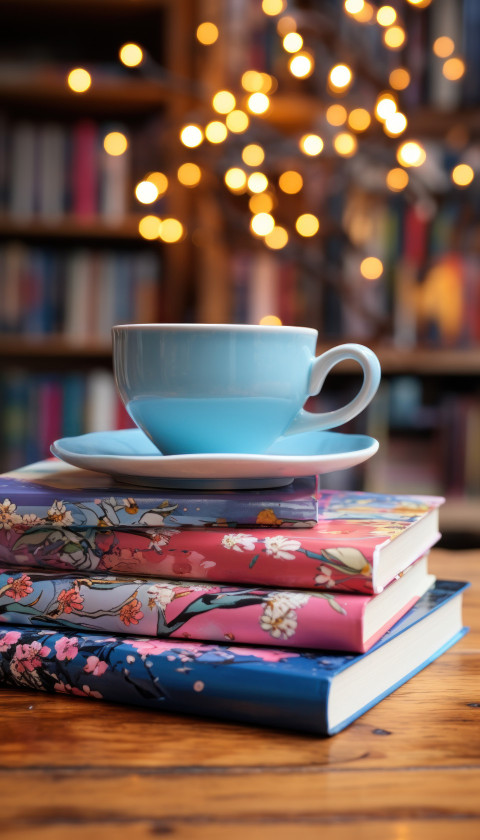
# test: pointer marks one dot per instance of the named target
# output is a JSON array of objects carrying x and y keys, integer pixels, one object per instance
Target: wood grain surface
[{"x": 409, "y": 768}]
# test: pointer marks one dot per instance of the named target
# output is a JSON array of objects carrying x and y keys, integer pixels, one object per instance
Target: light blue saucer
[{"x": 129, "y": 456}]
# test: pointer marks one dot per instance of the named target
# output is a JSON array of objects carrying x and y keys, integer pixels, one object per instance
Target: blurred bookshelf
[{"x": 394, "y": 264}]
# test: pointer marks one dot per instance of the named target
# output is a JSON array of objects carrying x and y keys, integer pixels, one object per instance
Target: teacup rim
[{"x": 217, "y": 327}]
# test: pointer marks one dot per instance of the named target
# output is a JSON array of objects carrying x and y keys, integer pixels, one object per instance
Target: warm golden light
[
  {"x": 171, "y": 230},
  {"x": 394, "y": 37},
  {"x": 411, "y": 154},
  {"x": 453, "y": 69},
  {"x": 462, "y": 175},
  {"x": 345, "y": 144},
  {"x": 307, "y": 224},
  {"x": 79, "y": 80},
  {"x": 273, "y": 7},
  {"x": 301, "y": 65},
  {"x": 269, "y": 83},
  {"x": 216, "y": 132},
  {"x": 292, "y": 42},
  {"x": 353, "y": 7},
  {"x": 285, "y": 25},
  {"x": 336, "y": 114},
  {"x": 371, "y": 268},
  {"x": 386, "y": 15},
  {"x": 159, "y": 179},
  {"x": 365, "y": 14},
  {"x": 131, "y": 55},
  {"x": 207, "y": 33},
  {"x": 443, "y": 46},
  {"x": 258, "y": 103},
  {"x": 252, "y": 81},
  {"x": 149, "y": 227},
  {"x": 311, "y": 144},
  {"x": 340, "y": 77},
  {"x": 237, "y": 121},
  {"x": 290, "y": 182},
  {"x": 115, "y": 143},
  {"x": 235, "y": 179},
  {"x": 270, "y": 321},
  {"x": 253, "y": 155},
  {"x": 191, "y": 135},
  {"x": 257, "y": 182},
  {"x": 189, "y": 174},
  {"x": 399, "y": 78},
  {"x": 260, "y": 203},
  {"x": 262, "y": 224},
  {"x": 385, "y": 106},
  {"x": 359, "y": 119},
  {"x": 223, "y": 102},
  {"x": 420, "y": 4},
  {"x": 146, "y": 192},
  {"x": 397, "y": 179},
  {"x": 395, "y": 124},
  {"x": 277, "y": 238}
]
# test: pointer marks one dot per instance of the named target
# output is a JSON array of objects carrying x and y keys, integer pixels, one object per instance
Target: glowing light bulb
[
  {"x": 285, "y": 25},
  {"x": 223, "y": 102},
  {"x": 462, "y": 175},
  {"x": 292, "y": 42},
  {"x": 277, "y": 238},
  {"x": 262, "y": 224},
  {"x": 340, "y": 77},
  {"x": 171, "y": 230},
  {"x": 397, "y": 179},
  {"x": 353, "y": 7},
  {"x": 311, "y": 144},
  {"x": 395, "y": 124},
  {"x": 149, "y": 227},
  {"x": 260, "y": 203},
  {"x": 386, "y": 15},
  {"x": 453, "y": 69},
  {"x": 345, "y": 144},
  {"x": 443, "y": 46},
  {"x": 146, "y": 192},
  {"x": 252, "y": 81},
  {"x": 258, "y": 103},
  {"x": 359, "y": 119},
  {"x": 394, "y": 37},
  {"x": 79, "y": 80},
  {"x": 257, "y": 182},
  {"x": 307, "y": 224},
  {"x": 371, "y": 268},
  {"x": 336, "y": 114},
  {"x": 253, "y": 155},
  {"x": 399, "y": 78},
  {"x": 270, "y": 321},
  {"x": 189, "y": 174},
  {"x": 207, "y": 33},
  {"x": 411, "y": 153},
  {"x": 385, "y": 107},
  {"x": 131, "y": 55},
  {"x": 160, "y": 180},
  {"x": 216, "y": 132},
  {"x": 115, "y": 143},
  {"x": 301, "y": 65},
  {"x": 290, "y": 182},
  {"x": 191, "y": 136},
  {"x": 273, "y": 7},
  {"x": 235, "y": 179},
  {"x": 237, "y": 121}
]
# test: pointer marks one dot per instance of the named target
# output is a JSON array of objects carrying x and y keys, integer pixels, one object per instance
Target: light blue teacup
[{"x": 197, "y": 388}]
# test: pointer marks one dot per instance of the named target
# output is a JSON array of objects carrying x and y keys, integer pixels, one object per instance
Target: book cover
[
  {"x": 211, "y": 612},
  {"x": 54, "y": 492},
  {"x": 360, "y": 543},
  {"x": 318, "y": 692}
]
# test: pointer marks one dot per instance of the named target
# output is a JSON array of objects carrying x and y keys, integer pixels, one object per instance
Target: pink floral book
[
  {"x": 360, "y": 543},
  {"x": 208, "y": 611}
]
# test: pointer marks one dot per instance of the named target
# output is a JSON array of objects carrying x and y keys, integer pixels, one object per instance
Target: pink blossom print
[
  {"x": 8, "y": 639},
  {"x": 67, "y": 648},
  {"x": 19, "y": 587}
]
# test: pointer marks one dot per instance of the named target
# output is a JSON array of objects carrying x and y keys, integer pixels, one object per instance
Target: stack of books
[{"x": 291, "y": 607}]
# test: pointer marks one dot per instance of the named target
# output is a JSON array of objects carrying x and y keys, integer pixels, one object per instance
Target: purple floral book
[
  {"x": 316, "y": 691},
  {"x": 51, "y": 492}
]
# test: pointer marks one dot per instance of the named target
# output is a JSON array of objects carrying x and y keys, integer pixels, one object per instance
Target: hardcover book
[
  {"x": 360, "y": 543},
  {"x": 51, "y": 492},
  {"x": 317, "y": 692},
  {"x": 212, "y": 612}
]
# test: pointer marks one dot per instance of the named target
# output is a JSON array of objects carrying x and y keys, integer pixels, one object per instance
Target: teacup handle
[{"x": 307, "y": 421}]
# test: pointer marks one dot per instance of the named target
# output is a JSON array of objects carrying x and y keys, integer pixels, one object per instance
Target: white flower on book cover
[
  {"x": 281, "y": 547},
  {"x": 239, "y": 542},
  {"x": 8, "y": 517}
]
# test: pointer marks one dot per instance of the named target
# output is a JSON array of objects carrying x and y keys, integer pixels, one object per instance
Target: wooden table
[{"x": 409, "y": 768}]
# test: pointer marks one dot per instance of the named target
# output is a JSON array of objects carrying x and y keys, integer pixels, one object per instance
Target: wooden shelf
[
  {"x": 70, "y": 227},
  {"x": 56, "y": 351},
  {"x": 420, "y": 361}
]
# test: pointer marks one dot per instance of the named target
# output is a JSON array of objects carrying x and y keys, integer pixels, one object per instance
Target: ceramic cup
[{"x": 196, "y": 388}]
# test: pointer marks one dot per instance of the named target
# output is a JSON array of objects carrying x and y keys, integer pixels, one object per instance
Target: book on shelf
[
  {"x": 206, "y": 611},
  {"x": 314, "y": 691},
  {"x": 94, "y": 499},
  {"x": 360, "y": 543}
]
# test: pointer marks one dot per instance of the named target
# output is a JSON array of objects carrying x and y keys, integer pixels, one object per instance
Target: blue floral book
[
  {"x": 319, "y": 692},
  {"x": 53, "y": 493}
]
